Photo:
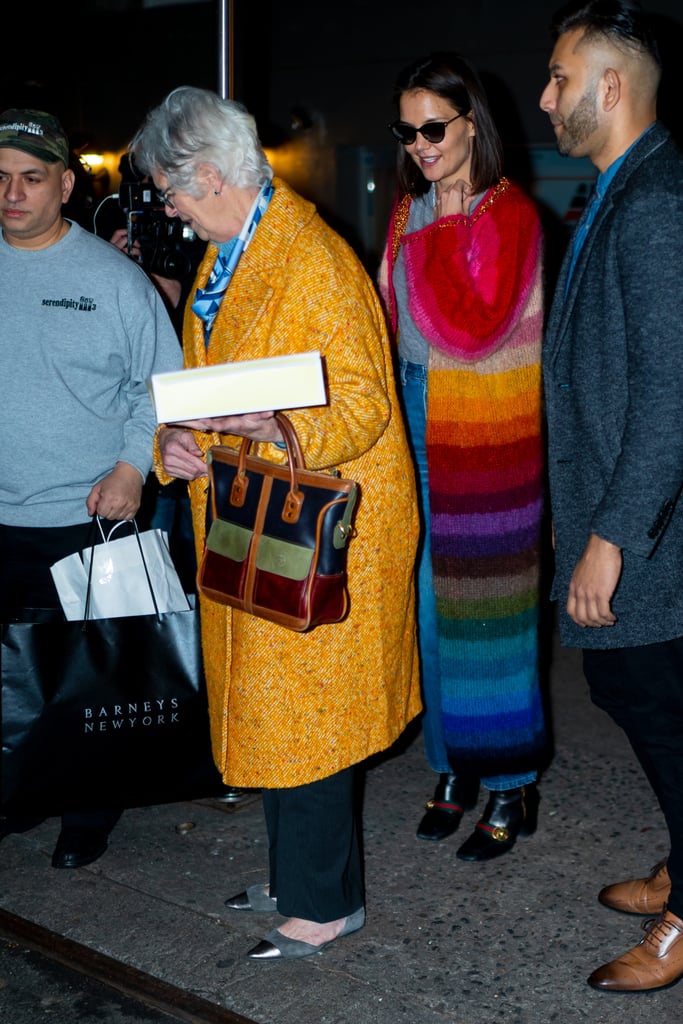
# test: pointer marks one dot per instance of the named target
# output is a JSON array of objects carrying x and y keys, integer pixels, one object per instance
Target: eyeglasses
[
  {"x": 432, "y": 131},
  {"x": 165, "y": 198}
]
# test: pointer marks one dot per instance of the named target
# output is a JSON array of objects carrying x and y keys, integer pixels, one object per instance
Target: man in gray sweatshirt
[{"x": 81, "y": 329}]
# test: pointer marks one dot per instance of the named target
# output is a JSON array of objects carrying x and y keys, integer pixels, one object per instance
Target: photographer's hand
[
  {"x": 168, "y": 287},
  {"x": 120, "y": 240}
]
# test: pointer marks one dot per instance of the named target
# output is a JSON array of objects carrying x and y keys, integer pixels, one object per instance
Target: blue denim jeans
[{"x": 413, "y": 381}]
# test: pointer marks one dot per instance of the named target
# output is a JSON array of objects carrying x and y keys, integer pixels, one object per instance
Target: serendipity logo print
[
  {"x": 141, "y": 715},
  {"x": 83, "y": 305}
]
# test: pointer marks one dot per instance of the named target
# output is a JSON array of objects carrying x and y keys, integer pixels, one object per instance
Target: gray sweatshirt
[{"x": 81, "y": 329}]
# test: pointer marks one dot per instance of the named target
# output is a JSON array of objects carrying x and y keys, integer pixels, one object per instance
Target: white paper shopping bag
[{"x": 126, "y": 572}]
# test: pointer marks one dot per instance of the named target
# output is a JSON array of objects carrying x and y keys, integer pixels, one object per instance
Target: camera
[{"x": 165, "y": 245}]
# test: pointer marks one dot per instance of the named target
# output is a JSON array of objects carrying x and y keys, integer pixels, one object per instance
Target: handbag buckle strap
[
  {"x": 292, "y": 507},
  {"x": 238, "y": 491}
]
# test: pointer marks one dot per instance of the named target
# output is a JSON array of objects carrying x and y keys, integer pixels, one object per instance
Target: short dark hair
[
  {"x": 450, "y": 76},
  {"x": 621, "y": 22}
]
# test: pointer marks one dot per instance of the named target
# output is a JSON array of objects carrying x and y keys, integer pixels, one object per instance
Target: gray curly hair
[{"x": 196, "y": 126}]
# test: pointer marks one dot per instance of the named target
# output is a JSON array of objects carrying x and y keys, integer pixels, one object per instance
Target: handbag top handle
[{"x": 295, "y": 461}]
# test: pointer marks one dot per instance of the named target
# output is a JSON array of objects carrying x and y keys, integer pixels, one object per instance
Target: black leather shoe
[
  {"x": 77, "y": 847},
  {"x": 452, "y": 797},
  {"x": 509, "y": 813},
  {"x": 231, "y": 795}
]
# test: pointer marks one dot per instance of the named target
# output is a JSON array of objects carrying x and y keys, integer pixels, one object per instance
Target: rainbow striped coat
[{"x": 475, "y": 293}]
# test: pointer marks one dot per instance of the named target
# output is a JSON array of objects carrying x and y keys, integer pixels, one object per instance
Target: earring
[{"x": 216, "y": 191}]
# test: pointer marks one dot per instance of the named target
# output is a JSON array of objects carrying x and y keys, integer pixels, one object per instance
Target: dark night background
[{"x": 317, "y": 76}]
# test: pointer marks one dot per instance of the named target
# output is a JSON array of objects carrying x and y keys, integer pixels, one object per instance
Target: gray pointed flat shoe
[
  {"x": 253, "y": 898},
  {"x": 276, "y": 946}
]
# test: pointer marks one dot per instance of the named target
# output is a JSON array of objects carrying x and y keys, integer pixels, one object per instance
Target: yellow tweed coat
[{"x": 289, "y": 708}]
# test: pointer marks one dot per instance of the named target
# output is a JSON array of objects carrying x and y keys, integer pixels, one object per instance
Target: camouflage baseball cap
[{"x": 34, "y": 132}]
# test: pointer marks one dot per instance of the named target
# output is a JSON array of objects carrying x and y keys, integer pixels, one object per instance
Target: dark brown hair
[{"x": 450, "y": 76}]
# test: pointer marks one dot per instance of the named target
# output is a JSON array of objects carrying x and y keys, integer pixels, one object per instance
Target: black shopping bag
[{"x": 103, "y": 713}]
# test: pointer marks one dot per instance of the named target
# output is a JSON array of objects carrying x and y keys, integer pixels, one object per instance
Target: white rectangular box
[{"x": 228, "y": 389}]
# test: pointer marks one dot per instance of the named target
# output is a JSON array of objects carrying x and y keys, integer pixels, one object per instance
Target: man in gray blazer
[{"x": 613, "y": 377}]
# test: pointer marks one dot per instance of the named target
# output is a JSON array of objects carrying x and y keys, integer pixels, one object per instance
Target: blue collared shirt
[{"x": 602, "y": 183}]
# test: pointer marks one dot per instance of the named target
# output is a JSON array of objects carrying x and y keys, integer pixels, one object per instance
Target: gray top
[
  {"x": 412, "y": 344},
  {"x": 81, "y": 329}
]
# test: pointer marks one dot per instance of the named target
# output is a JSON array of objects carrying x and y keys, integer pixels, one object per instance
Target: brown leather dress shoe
[
  {"x": 655, "y": 962},
  {"x": 639, "y": 895}
]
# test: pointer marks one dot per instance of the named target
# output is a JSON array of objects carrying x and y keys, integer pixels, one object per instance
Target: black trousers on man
[
  {"x": 26, "y": 554},
  {"x": 641, "y": 688}
]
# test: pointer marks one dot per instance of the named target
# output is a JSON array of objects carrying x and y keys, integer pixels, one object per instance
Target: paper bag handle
[{"x": 144, "y": 565}]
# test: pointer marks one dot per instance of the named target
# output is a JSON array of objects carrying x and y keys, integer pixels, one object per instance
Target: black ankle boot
[
  {"x": 509, "y": 813},
  {"x": 452, "y": 797}
]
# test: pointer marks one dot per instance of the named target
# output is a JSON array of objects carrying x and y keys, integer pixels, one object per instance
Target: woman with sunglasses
[{"x": 462, "y": 283}]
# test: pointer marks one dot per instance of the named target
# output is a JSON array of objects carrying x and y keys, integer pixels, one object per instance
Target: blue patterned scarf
[{"x": 207, "y": 300}]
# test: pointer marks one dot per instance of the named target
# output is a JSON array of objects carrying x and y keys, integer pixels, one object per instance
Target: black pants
[
  {"x": 26, "y": 554},
  {"x": 314, "y": 850},
  {"x": 641, "y": 688}
]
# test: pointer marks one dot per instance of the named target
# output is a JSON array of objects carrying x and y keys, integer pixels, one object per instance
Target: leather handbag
[{"x": 276, "y": 546}]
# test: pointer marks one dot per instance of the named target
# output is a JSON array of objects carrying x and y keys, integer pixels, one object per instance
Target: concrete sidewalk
[{"x": 445, "y": 941}]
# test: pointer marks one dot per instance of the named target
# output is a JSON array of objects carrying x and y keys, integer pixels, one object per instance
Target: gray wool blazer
[{"x": 613, "y": 380}]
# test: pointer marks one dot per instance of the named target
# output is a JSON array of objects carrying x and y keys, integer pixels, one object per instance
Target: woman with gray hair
[{"x": 293, "y": 713}]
